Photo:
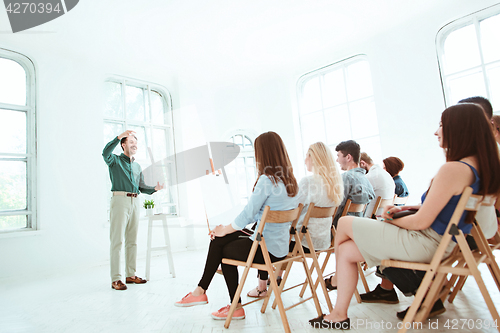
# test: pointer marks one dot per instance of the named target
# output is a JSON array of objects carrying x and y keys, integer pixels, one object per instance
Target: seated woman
[
  {"x": 394, "y": 166},
  {"x": 275, "y": 187},
  {"x": 325, "y": 189},
  {"x": 471, "y": 160}
]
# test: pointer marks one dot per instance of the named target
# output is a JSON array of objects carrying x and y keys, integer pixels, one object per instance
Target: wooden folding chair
[
  {"x": 440, "y": 267},
  {"x": 400, "y": 200},
  {"x": 378, "y": 204},
  {"x": 314, "y": 212},
  {"x": 483, "y": 254},
  {"x": 269, "y": 216},
  {"x": 349, "y": 208}
]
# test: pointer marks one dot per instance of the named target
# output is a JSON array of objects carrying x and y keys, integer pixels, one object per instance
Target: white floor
[{"x": 84, "y": 302}]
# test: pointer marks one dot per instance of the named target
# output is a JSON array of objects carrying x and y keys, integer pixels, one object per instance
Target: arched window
[
  {"x": 336, "y": 103},
  {"x": 469, "y": 57},
  {"x": 17, "y": 143},
  {"x": 146, "y": 109},
  {"x": 241, "y": 171}
]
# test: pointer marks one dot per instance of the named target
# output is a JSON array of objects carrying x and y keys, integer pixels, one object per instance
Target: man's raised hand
[{"x": 126, "y": 134}]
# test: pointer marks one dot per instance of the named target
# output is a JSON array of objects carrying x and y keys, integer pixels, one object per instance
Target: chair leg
[
  {"x": 313, "y": 290},
  {"x": 363, "y": 278},
  {"x": 282, "y": 284},
  {"x": 431, "y": 297},
  {"x": 457, "y": 288},
  {"x": 284, "y": 320},
  {"x": 415, "y": 305},
  {"x": 234, "y": 303},
  {"x": 469, "y": 258},
  {"x": 315, "y": 265}
]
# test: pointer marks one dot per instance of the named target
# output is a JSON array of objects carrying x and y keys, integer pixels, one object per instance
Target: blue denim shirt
[
  {"x": 401, "y": 189},
  {"x": 275, "y": 196}
]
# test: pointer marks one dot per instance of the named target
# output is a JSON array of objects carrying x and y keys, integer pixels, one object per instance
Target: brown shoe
[
  {"x": 118, "y": 285},
  {"x": 135, "y": 279}
]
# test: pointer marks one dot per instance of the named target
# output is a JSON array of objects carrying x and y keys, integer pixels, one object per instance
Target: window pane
[
  {"x": 250, "y": 161},
  {"x": 238, "y": 139},
  {"x": 241, "y": 176},
  {"x": 12, "y": 132},
  {"x": 112, "y": 130},
  {"x": 371, "y": 146},
  {"x": 470, "y": 84},
  {"x": 250, "y": 178},
  {"x": 364, "y": 116},
  {"x": 338, "y": 125},
  {"x": 13, "y": 222},
  {"x": 135, "y": 103},
  {"x": 158, "y": 109},
  {"x": 489, "y": 38},
  {"x": 13, "y": 185},
  {"x": 334, "y": 89},
  {"x": 113, "y": 107},
  {"x": 142, "y": 155},
  {"x": 313, "y": 128},
  {"x": 12, "y": 82},
  {"x": 359, "y": 81},
  {"x": 248, "y": 143},
  {"x": 311, "y": 96},
  {"x": 493, "y": 74},
  {"x": 461, "y": 50},
  {"x": 160, "y": 144}
]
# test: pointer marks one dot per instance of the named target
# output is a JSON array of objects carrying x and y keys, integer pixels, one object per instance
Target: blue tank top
[{"x": 441, "y": 222}]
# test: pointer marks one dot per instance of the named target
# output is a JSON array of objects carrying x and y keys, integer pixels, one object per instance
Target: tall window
[
  {"x": 241, "y": 171},
  {"x": 469, "y": 57},
  {"x": 147, "y": 110},
  {"x": 17, "y": 143},
  {"x": 336, "y": 104}
]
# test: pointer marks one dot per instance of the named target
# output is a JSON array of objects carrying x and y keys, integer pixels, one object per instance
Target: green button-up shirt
[{"x": 126, "y": 175}]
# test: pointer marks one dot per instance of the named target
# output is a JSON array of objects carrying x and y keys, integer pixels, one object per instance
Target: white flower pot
[{"x": 149, "y": 211}]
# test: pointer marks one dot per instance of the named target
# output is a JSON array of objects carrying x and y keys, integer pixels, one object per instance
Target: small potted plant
[{"x": 149, "y": 205}]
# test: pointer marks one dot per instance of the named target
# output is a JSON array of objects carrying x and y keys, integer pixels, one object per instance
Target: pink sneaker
[
  {"x": 190, "y": 300},
  {"x": 223, "y": 312}
]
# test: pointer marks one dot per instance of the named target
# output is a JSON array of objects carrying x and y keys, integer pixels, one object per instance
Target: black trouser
[
  {"x": 407, "y": 280},
  {"x": 292, "y": 245},
  {"x": 231, "y": 246}
]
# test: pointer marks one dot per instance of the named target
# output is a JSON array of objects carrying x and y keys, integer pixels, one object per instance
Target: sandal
[
  {"x": 328, "y": 282},
  {"x": 257, "y": 293}
]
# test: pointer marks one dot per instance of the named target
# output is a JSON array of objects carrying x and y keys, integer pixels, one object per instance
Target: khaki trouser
[{"x": 124, "y": 220}]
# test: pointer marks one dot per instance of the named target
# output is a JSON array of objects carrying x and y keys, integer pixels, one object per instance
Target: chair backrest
[
  {"x": 400, "y": 200},
  {"x": 279, "y": 216},
  {"x": 315, "y": 212},
  {"x": 380, "y": 203}
]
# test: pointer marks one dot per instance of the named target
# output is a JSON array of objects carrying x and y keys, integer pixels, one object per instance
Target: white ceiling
[{"x": 220, "y": 37}]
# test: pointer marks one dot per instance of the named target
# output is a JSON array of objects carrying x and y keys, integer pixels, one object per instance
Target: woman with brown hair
[
  {"x": 471, "y": 160},
  {"x": 324, "y": 188},
  {"x": 275, "y": 187},
  {"x": 394, "y": 166},
  {"x": 495, "y": 121}
]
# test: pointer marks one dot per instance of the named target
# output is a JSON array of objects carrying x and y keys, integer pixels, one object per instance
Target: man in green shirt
[{"x": 127, "y": 182}]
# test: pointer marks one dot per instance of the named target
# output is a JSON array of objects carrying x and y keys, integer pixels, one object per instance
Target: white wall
[{"x": 235, "y": 87}]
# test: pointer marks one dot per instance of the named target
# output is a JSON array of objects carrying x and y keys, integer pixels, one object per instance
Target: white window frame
[
  {"x": 244, "y": 154},
  {"x": 446, "y": 30},
  {"x": 344, "y": 63},
  {"x": 31, "y": 144},
  {"x": 148, "y": 125}
]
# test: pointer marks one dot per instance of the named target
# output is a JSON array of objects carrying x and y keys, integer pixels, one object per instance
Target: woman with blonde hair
[{"x": 324, "y": 188}]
